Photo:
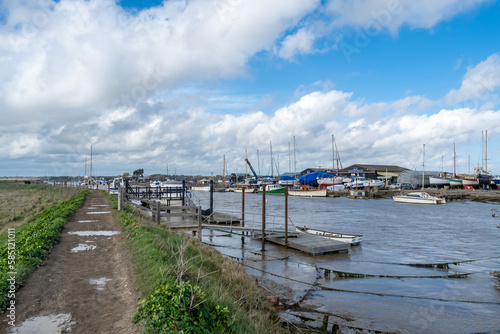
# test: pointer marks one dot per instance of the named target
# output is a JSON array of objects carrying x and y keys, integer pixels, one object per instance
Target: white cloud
[
  {"x": 391, "y": 15},
  {"x": 93, "y": 55},
  {"x": 302, "y": 42},
  {"x": 479, "y": 83}
]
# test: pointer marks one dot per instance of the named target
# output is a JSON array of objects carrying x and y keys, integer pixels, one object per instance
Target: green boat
[{"x": 273, "y": 189}]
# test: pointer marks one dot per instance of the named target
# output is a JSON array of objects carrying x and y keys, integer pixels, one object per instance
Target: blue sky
[{"x": 185, "y": 83}]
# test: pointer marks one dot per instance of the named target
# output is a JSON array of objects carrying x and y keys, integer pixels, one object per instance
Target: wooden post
[
  {"x": 158, "y": 208},
  {"x": 183, "y": 192},
  {"x": 120, "y": 198},
  {"x": 199, "y": 222},
  {"x": 243, "y": 212},
  {"x": 286, "y": 216},
  {"x": 211, "y": 196},
  {"x": 263, "y": 217}
]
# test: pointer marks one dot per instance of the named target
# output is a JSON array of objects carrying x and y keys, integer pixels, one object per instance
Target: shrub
[{"x": 181, "y": 308}]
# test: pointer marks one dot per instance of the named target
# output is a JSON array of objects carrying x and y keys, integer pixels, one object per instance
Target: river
[{"x": 393, "y": 297}]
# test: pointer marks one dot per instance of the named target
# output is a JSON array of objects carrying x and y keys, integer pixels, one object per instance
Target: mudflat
[{"x": 86, "y": 283}]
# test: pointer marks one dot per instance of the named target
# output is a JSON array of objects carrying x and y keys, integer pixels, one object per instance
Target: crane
[{"x": 251, "y": 168}]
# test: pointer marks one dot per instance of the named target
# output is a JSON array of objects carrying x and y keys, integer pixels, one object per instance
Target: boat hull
[
  {"x": 308, "y": 193},
  {"x": 418, "y": 198},
  {"x": 438, "y": 182},
  {"x": 353, "y": 239}
]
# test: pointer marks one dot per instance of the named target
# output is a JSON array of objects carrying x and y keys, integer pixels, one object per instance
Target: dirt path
[{"x": 86, "y": 284}]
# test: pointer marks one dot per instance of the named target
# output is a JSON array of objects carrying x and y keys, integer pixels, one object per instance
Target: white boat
[
  {"x": 419, "y": 198},
  {"x": 353, "y": 239},
  {"x": 329, "y": 180},
  {"x": 171, "y": 184},
  {"x": 202, "y": 185},
  {"x": 155, "y": 184},
  {"x": 362, "y": 182},
  {"x": 470, "y": 182},
  {"x": 305, "y": 191},
  {"x": 438, "y": 182},
  {"x": 247, "y": 190}
]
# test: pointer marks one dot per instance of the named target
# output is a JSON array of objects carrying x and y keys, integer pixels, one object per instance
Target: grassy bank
[
  {"x": 166, "y": 261},
  {"x": 19, "y": 202},
  {"x": 23, "y": 248}
]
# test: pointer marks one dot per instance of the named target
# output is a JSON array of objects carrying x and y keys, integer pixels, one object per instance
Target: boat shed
[
  {"x": 374, "y": 172},
  {"x": 415, "y": 177}
]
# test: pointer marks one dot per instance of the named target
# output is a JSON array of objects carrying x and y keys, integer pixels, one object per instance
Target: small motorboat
[
  {"x": 420, "y": 197},
  {"x": 353, "y": 239}
]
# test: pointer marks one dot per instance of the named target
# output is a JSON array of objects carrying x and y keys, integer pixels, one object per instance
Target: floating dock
[
  {"x": 307, "y": 243},
  {"x": 313, "y": 244}
]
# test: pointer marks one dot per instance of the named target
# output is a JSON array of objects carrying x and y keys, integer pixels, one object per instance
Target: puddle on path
[
  {"x": 93, "y": 233},
  {"x": 100, "y": 283},
  {"x": 99, "y": 205},
  {"x": 88, "y": 221},
  {"x": 83, "y": 247},
  {"x": 48, "y": 324},
  {"x": 97, "y": 212}
]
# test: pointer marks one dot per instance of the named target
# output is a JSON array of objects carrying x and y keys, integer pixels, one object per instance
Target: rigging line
[
  {"x": 430, "y": 264},
  {"x": 366, "y": 292},
  {"x": 344, "y": 274}
]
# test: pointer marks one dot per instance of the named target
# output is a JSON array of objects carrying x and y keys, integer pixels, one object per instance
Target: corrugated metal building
[{"x": 415, "y": 177}]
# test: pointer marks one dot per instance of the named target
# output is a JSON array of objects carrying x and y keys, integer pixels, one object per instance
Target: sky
[{"x": 178, "y": 87}]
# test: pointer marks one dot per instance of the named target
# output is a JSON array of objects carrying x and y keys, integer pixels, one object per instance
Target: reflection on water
[{"x": 393, "y": 296}]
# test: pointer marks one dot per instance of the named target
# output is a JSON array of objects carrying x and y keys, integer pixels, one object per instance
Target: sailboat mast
[
  {"x": 486, "y": 154},
  {"x": 90, "y": 161},
  {"x": 224, "y": 171},
  {"x": 454, "y": 161},
  {"x": 482, "y": 150},
  {"x": 246, "y": 167},
  {"x": 294, "y": 159},
  {"x": 333, "y": 155},
  {"x": 272, "y": 162},
  {"x": 258, "y": 163},
  {"x": 423, "y": 168},
  {"x": 289, "y": 159}
]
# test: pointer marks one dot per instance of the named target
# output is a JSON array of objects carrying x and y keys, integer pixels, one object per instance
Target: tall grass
[
  {"x": 33, "y": 241},
  {"x": 162, "y": 256},
  {"x": 19, "y": 202}
]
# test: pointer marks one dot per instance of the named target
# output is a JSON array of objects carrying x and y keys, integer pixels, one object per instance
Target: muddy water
[{"x": 394, "y": 297}]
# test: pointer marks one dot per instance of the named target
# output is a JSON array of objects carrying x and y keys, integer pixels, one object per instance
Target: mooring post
[
  {"x": 286, "y": 216},
  {"x": 243, "y": 212},
  {"x": 158, "y": 208},
  {"x": 183, "y": 192},
  {"x": 199, "y": 222},
  {"x": 211, "y": 196},
  {"x": 263, "y": 217},
  {"x": 120, "y": 198}
]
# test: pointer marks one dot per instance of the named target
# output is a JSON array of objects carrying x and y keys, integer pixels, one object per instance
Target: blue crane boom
[{"x": 251, "y": 168}]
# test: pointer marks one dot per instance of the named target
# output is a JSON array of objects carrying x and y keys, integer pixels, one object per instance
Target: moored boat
[
  {"x": 419, "y": 197},
  {"x": 455, "y": 182},
  {"x": 438, "y": 182},
  {"x": 287, "y": 180},
  {"x": 305, "y": 191},
  {"x": 470, "y": 182},
  {"x": 353, "y": 239},
  {"x": 273, "y": 189}
]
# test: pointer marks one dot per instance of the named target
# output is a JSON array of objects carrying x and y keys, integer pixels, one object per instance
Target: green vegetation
[
  {"x": 182, "y": 307},
  {"x": 33, "y": 241},
  {"x": 19, "y": 202},
  {"x": 207, "y": 285}
]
